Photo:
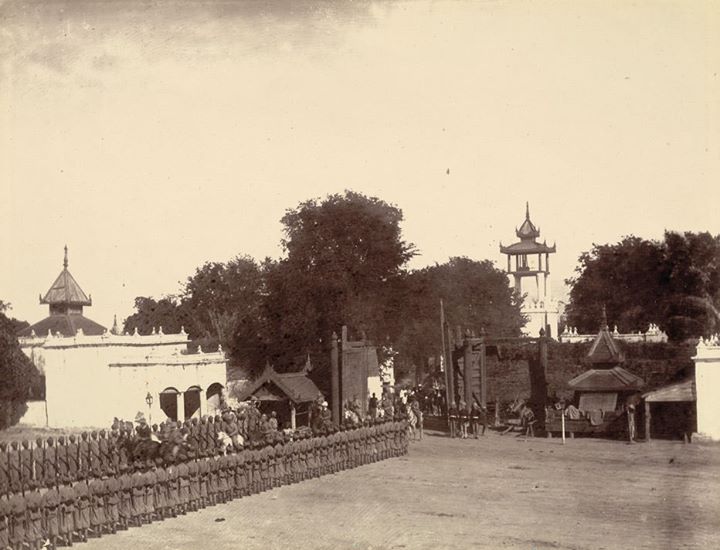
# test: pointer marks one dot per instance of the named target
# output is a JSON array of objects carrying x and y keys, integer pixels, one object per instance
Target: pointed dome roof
[
  {"x": 527, "y": 230},
  {"x": 65, "y": 289},
  {"x": 605, "y": 350}
]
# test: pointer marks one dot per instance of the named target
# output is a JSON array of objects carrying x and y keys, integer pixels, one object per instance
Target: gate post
[
  {"x": 467, "y": 370},
  {"x": 335, "y": 380},
  {"x": 483, "y": 370}
]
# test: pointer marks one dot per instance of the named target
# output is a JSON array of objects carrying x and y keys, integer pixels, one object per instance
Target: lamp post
[{"x": 149, "y": 401}]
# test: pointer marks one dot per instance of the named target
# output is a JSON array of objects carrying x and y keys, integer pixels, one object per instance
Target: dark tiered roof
[
  {"x": 528, "y": 235},
  {"x": 615, "y": 379},
  {"x": 604, "y": 350},
  {"x": 66, "y": 300},
  {"x": 65, "y": 324}
]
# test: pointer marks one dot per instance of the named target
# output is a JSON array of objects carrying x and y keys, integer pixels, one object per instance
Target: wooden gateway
[{"x": 601, "y": 394}]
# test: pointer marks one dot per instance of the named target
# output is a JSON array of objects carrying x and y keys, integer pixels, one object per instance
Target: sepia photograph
[{"x": 359, "y": 274}]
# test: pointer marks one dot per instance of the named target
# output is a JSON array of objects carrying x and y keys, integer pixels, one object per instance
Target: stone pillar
[
  {"x": 203, "y": 402},
  {"x": 647, "y": 420},
  {"x": 707, "y": 380},
  {"x": 292, "y": 415},
  {"x": 181, "y": 407}
]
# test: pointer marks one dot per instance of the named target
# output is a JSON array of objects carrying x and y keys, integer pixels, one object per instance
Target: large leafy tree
[
  {"x": 345, "y": 255},
  {"x": 691, "y": 276},
  {"x": 674, "y": 283},
  {"x": 626, "y": 278},
  {"x": 19, "y": 376},
  {"x": 225, "y": 303}
]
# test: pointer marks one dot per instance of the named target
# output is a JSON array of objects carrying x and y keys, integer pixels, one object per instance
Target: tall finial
[
  {"x": 65, "y": 261},
  {"x": 604, "y": 322},
  {"x": 527, "y": 210}
]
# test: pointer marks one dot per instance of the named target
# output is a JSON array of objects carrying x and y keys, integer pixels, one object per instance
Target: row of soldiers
[
  {"x": 465, "y": 418},
  {"x": 68, "y": 511},
  {"x": 100, "y": 452}
]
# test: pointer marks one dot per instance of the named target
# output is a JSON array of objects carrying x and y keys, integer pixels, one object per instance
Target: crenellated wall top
[{"x": 156, "y": 338}]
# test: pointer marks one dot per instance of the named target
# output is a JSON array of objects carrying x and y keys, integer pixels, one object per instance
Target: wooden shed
[{"x": 670, "y": 411}]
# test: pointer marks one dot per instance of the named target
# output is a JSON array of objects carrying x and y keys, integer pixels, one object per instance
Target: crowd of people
[{"x": 56, "y": 493}]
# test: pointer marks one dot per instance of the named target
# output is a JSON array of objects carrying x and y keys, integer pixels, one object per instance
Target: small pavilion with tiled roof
[
  {"x": 606, "y": 385},
  {"x": 289, "y": 394},
  {"x": 66, "y": 300}
]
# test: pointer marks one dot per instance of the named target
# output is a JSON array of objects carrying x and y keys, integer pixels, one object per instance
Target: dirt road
[{"x": 497, "y": 492}]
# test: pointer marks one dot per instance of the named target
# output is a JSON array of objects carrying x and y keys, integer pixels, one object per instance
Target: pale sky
[{"x": 152, "y": 137}]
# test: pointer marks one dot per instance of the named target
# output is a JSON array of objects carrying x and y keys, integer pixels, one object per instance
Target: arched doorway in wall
[
  {"x": 214, "y": 398},
  {"x": 192, "y": 402},
  {"x": 169, "y": 404}
]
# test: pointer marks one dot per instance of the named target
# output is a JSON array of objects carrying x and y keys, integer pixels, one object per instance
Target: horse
[{"x": 236, "y": 441}]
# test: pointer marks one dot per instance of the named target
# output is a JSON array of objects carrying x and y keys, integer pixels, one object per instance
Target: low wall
[{"x": 36, "y": 414}]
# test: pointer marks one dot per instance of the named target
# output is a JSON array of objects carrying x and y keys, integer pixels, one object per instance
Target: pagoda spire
[
  {"x": 527, "y": 210},
  {"x": 65, "y": 260}
]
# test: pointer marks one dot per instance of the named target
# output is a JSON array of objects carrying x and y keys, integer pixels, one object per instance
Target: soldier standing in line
[
  {"x": 225, "y": 480},
  {"x": 125, "y": 497},
  {"x": 104, "y": 449},
  {"x": 5, "y": 515},
  {"x": 34, "y": 502},
  {"x": 68, "y": 514},
  {"x": 121, "y": 447},
  {"x": 4, "y": 469},
  {"x": 51, "y": 511},
  {"x": 114, "y": 451},
  {"x": 138, "y": 496},
  {"x": 83, "y": 503},
  {"x": 112, "y": 501},
  {"x": 160, "y": 490},
  {"x": 280, "y": 472},
  {"x": 194, "y": 472},
  {"x": 95, "y": 465},
  {"x": 96, "y": 487},
  {"x": 240, "y": 476},
  {"x": 14, "y": 468},
  {"x": 150, "y": 483},
  {"x": 84, "y": 454},
  {"x": 202, "y": 436},
  {"x": 249, "y": 467},
  {"x": 26, "y": 464},
  {"x": 50, "y": 466},
  {"x": 18, "y": 511},
  {"x": 61, "y": 458},
  {"x": 202, "y": 466},
  {"x": 183, "y": 473},
  {"x": 172, "y": 488},
  {"x": 73, "y": 460}
]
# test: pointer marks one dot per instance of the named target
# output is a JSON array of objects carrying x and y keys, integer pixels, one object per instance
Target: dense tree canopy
[
  {"x": 475, "y": 295},
  {"x": 17, "y": 373},
  {"x": 220, "y": 304},
  {"x": 674, "y": 284},
  {"x": 344, "y": 263}
]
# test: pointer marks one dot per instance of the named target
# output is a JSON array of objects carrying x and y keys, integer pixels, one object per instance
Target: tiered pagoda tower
[
  {"x": 528, "y": 264},
  {"x": 66, "y": 301}
]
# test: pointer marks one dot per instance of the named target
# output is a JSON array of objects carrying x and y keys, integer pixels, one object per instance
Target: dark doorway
[
  {"x": 192, "y": 402},
  {"x": 168, "y": 403}
]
